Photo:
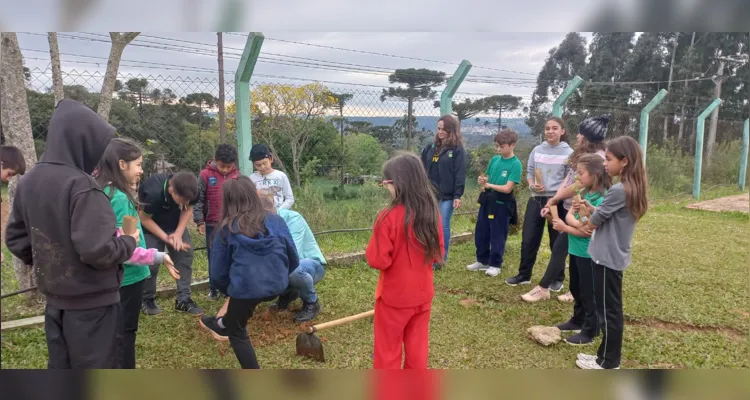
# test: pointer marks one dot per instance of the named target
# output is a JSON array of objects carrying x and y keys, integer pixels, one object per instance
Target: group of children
[
  {"x": 68, "y": 224},
  {"x": 594, "y": 225},
  {"x": 69, "y": 219}
]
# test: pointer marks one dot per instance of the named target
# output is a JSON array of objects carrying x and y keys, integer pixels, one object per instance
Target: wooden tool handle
[
  {"x": 553, "y": 212},
  {"x": 341, "y": 321}
]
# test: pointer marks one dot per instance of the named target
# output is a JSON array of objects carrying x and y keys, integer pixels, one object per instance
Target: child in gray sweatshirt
[
  {"x": 613, "y": 226},
  {"x": 547, "y": 168}
]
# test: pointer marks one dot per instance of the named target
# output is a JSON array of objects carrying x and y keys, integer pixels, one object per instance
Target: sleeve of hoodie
[
  {"x": 460, "y": 165},
  {"x": 286, "y": 190},
  {"x": 614, "y": 200},
  {"x": 530, "y": 165},
  {"x": 199, "y": 208},
  {"x": 17, "y": 234},
  {"x": 92, "y": 231}
]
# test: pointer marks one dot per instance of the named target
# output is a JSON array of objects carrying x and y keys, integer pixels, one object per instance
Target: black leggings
[
  {"x": 556, "y": 268},
  {"x": 235, "y": 321}
]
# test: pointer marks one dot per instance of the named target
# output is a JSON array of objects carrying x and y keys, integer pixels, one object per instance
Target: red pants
[{"x": 395, "y": 327}]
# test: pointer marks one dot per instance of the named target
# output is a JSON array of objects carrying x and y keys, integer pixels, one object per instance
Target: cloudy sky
[{"x": 504, "y": 63}]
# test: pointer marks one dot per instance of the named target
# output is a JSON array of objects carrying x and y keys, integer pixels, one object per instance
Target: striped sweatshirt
[{"x": 553, "y": 162}]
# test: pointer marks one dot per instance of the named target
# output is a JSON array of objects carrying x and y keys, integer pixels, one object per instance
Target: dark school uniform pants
[
  {"x": 491, "y": 232},
  {"x": 533, "y": 231},
  {"x": 131, "y": 297},
  {"x": 401, "y": 328},
  {"x": 82, "y": 339},
  {"x": 582, "y": 289},
  {"x": 209, "y": 244},
  {"x": 608, "y": 290}
]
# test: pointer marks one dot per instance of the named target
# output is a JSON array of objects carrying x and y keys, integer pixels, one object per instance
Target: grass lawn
[{"x": 685, "y": 299}]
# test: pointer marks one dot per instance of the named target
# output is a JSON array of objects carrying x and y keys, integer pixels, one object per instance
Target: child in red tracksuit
[{"x": 407, "y": 240}]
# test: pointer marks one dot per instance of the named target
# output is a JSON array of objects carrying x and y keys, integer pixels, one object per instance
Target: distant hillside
[{"x": 468, "y": 127}]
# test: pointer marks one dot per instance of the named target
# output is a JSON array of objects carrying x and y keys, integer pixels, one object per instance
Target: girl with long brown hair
[
  {"x": 444, "y": 160},
  {"x": 610, "y": 248},
  {"x": 252, "y": 256},
  {"x": 594, "y": 182},
  {"x": 407, "y": 240}
]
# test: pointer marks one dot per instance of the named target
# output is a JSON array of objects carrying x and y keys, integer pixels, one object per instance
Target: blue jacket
[{"x": 253, "y": 268}]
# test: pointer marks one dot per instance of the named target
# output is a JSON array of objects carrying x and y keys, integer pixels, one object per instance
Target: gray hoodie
[
  {"x": 611, "y": 242},
  {"x": 553, "y": 161}
]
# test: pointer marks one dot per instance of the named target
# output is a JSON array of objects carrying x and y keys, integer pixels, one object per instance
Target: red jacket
[
  {"x": 405, "y": 277},
  {"x": 208, "y": 208}
]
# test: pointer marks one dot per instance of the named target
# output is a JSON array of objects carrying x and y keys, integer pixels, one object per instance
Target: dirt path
[{"x": 740, "y": 203}]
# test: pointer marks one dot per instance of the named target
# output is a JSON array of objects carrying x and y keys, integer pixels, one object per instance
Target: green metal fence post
[
  {"x": 560, "y": 101},
  {"x": 701, "y": 122},
  {"x": 446, "y": 98},
  {"x": 644, "y": 119},
  {"x": 242, "y": 99},
  {"x": 743, "y": 159}
]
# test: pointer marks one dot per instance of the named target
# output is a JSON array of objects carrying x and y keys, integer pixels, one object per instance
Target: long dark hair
[
  {"x": 595, "y": 166},
  {"x": 633, "y": 176},
  {"x": 450, "y": 124},
  {"x": 108, "y": 171},
  {"x": 415, "y": 192},
  {"x": 242, "y": 210}
]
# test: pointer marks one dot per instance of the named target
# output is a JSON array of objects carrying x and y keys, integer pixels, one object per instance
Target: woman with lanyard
[{"x": 445, "y": 162}]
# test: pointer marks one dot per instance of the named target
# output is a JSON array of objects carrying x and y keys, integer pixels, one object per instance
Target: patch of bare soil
[
  {"x": 684, "y": 327},
  {"x": 739, "y": 203}
]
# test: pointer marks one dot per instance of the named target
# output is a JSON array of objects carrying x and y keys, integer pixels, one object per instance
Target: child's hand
[
  {"x": 482, "y": 180},
  {"x": 576, "y": 206},
  {"x": 587, "y": 229},
  {"x": 537, "y": 187},
  {"x": 588, "y": 205},
  {"x": 558, "y": 225},
  {"x": 136, "y": 235},
  {"x": 545, "y": 211},
  {"x": 170, "y": 267},
  {"x": 202, "y": 229}
]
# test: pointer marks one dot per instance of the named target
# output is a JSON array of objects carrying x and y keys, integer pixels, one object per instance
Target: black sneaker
[
  {"x": 569, "y": 327},
  {"x": 556, "y": 286},
  {"x": 149, "y": 307},
  {"x": 308, "y": 312},
  {"x": 211, "y": 324},
  {"x": 579, "y": 339},
  {"x": 285, "y": 300},
  {"x": 188, "y": 306},
  {"x": 518, "y": 280},
  {"x": 214, "y": 295}
]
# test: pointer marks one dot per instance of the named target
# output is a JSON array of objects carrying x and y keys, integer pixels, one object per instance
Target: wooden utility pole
[{"x": 222, "y": 114}]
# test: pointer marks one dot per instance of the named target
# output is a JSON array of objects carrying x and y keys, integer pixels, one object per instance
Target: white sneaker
[
  {"x": 492, "y": 271},
  {"x": 477, "y": 266},
  {"x": 589, "y": 364},
  {"x": 586, "y": 357}
]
